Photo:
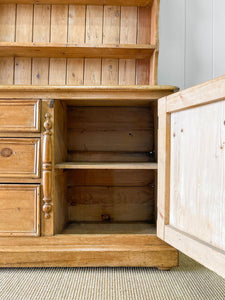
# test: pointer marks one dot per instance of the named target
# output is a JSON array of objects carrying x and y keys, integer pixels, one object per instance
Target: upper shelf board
[
  {"x": 68, "y": 50},
  {"x": 83, "y": 2}
]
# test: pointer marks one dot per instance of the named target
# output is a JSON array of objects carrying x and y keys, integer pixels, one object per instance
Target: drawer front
[
  {"x": 19, "y": 209},
  {"x": 20, "y": 115},
  {"x": 20, "y": 157}
]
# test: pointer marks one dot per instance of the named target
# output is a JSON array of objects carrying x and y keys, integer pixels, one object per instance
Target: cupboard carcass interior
[{"x": 105, "y": 172}]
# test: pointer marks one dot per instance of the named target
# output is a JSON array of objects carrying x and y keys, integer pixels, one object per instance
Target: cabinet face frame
[{"x": 206, "y": 93}]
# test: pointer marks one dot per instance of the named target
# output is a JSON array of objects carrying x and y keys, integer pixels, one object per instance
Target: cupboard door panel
[
  {"x": 20, "y": 157},
  {"x": 20, "y": 115},
  {"x": 191, "y": 201},
  {"x": 19, "y": 210}
]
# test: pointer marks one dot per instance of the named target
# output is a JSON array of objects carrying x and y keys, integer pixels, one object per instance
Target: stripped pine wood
[
  {"x": 128, "y": 35},
  {"x": 19, "y": 210},
  {"x": 92, "y": 177},
  {"x": 127, "y": 71},
  {"x": 111, "y": 35},
  {"x": 90, "y": 2},
  {"x": 92, "y": 71},
  {"x": 41, "y": 34},
  {"x": 142, "y": 71},
  {"x": 76, "y": 51},
  {"x": 22, "y": 70},
  {"x": 98, "y": 163},
  {"x": 24, "y": 19},
  {"x": 111, "y": 26},
  {"x": 20, "y": 116},
  {"x": 91, "y": 203},
  {"x": 76, "y": 24},
  {"x": 110, "y": 71},
  {"x": 69, "y": 23},
  {"x": 40, "y": 71},
  {"x": 144, "y": 25},
  {"x": 75, "y": 71},
  {"x": 20, "y": 157},
  {"x": 201, "y": 198},
  {"x": 96, "y": 156},
  {"x": 7, "y": 22},
  {"x": 110, "y": 228},
  {"x": 6, "y": 70},
  {"x": 41, "y": 27},
  {"x": 110, "y": 118},
  {"x": 143, "y": 37},
  {"x": 129, "y": 140},
  {"x": 57, "y": 71},
  {"x": 107, "y": 165},
  {"x": 94, "y": 24},
  {"x": 59, "y": 19},
  {"x": 128, "y": 27}
]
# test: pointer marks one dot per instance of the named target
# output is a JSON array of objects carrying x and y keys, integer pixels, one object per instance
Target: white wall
[{"x": 192, "y": 41}]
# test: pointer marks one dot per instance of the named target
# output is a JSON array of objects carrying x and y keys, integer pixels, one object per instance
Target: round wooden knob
[{"x": 6, "y": 152}]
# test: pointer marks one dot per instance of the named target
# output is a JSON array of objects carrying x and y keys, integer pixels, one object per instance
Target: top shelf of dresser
[
  {"x": 74, "y": 50},
  {"x": 83, "y": 2}
]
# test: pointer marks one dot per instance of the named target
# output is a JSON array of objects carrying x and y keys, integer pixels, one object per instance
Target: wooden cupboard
[{"x": 95, "y": 170}]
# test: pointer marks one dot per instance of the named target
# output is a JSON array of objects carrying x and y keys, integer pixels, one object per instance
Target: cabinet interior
[{"x": 105, "y": 168}]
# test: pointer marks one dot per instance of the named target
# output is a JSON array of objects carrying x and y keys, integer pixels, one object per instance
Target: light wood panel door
[{"x": 191, "y": 190}]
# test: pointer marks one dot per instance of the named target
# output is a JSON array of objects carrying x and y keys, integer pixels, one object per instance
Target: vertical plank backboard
[
  {"x": 110, "y": 72},
  {"x": 127, "y": 71},
  {"x": 41, "y": 34},
  {"x": 75, "y": 71},
  {"x": 7, "y": 22},
  {"x": 111, "y": 25},
  {"x": 24, "y": 33},
  {"x": 59, "y": 19},
  {"x": 128, "y": 35},
  {"x": 76, "y": 24},
  {"x": 94, "y": 24},
  {"x": 6, "y": 70},
  {"x": 92, "y": 71}
]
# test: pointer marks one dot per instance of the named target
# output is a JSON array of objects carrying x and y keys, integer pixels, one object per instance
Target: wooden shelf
[
  {"x": 110, "y": 228},
  {"x": 76, "y": 51},
  {"x": 118, "y": 95},
  {"x": 108, "y": 165},
  {"x": 83, "y": 2}
]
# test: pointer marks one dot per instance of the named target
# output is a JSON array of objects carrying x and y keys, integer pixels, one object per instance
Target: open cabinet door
[{"x": 191, "y": 173}]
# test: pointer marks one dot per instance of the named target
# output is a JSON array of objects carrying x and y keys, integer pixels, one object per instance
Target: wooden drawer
[
  {"x": 20, "y": 115},
  {"x": 19, "y": 209},
  {"x": 19, "y": 157}
]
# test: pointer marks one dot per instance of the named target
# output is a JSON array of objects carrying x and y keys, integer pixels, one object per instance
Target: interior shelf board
[
  {"x": 83, "y": 2},
  {"x": 110, "y": 228},
  {"x": 108, "y": 165},
  {"x": 74, "y": 50}
]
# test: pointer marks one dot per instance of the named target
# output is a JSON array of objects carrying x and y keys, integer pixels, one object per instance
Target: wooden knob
[{"x": 6, "y": 152}]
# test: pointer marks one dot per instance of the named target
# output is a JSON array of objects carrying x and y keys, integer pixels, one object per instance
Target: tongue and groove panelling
[{"x": 74, "y": 24}]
